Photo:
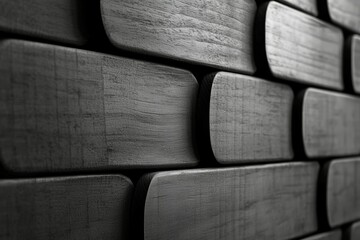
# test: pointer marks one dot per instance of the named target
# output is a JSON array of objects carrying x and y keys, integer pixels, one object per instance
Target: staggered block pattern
[{"x": 182, "y": 119}]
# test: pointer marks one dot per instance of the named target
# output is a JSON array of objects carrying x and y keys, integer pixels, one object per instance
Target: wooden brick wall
[{"x": 180, "y": 119}]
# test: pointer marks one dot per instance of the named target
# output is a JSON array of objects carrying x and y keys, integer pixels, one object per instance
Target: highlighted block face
[
  {"x": 298, "y": 47},
  {"x": 212, "y": 33}
]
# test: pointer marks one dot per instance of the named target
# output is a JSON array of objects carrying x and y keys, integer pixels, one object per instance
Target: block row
[
  {"x": 63, "y": 109},
  {"x": 242, "y": 119},
  {"x": 288, "y": 43},
  {"x": 274, "y": 201}
]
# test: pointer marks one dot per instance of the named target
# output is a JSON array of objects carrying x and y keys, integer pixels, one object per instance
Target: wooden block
[
  {"x": 333, "y": 235},
  {"x": 57, "y": 20},
  {"x": 309, "y": 6},
  {"x": 275, "y": 201},
  {"x": 353, "y": 52},
  {"x": 213, "y": 33},
  {"x": 345, "y": 13},
  {"x": 248, "y": 119},
  {"x": 86, "y": 207},
  {"x": 66, "y": 109},
  {"x": 299, "y": 47},
  {"x": 330, "y": 123},
  {"x": 353, "y": 232},
  {"x": 341, "y": 180}
]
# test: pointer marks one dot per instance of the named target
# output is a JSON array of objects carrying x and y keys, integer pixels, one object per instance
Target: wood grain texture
[
  {"x": 355, "y": 62},
  {"x": 353, "y": 232},
  {"x": 345, "y": 13},
  {"x": 309, "y": 6},
  {"x": 249, "y": 118},
  {"x": 342, "y": 191},
  {"x": 330, "y": 123},
  {"x": 57, "y": 20},
  {"x": 301, "y": 48},
  {"x": 333, "y": 235},
  {"x": 306, "y": 5},
  {"x": 66, "y": 109},
  {"x": 86, "y": 207},
  {"x": 257, "y": 202},
  {"x": 214, "y": 33}
]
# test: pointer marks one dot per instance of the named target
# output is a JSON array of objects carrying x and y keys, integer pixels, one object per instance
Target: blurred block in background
[
  {"x": 333, "y": 235},
  {"x": 56, "y": 20},
  {"x": 353, "y": 65},
  {"x": 84, "y": 207},
  {"x": 341, "y": 182},
  {"x": 345, "y": 13},
  {"x": 330, "y": 123},
  {"x": 353, "y": 232}
]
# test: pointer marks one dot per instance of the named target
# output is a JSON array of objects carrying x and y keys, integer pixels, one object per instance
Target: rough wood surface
[
  {"x": 58, "y": 20},
  {"x": 275, "y": 201},
  {"x": 249, "y": 118},
  {"x": 333, "y": 235},
  {"x": 66, "y": 109},
  {"x": 355, "y": 62},
  {"x": 330, "y": 123},
  {"x": 214, "y": 33},
  {"x": 353, "y": 232},
  {"x": 301, "y": 48},
  {"x": 86, "y": 207},
  {"x": 342, "y": 191},
  {"x": 345, "y": 13}
]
